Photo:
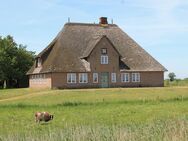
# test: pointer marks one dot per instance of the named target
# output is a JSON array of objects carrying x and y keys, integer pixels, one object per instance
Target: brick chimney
[{"x": 103, "y": 21}]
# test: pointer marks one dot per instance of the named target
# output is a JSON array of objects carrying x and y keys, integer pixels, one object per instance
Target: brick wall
[
  {"x": 40, "y": 82},
  {"x": 148, "y": 79}
]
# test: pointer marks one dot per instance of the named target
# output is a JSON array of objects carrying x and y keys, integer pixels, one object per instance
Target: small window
[
  {"x": 104, "y": 59},
  {"x": 135, "y": 77},
  {"x": 38, "y": 62},
  {"x": 113, "y": 77},
  {"x": 83, "y": 78},
  {"x": 125, "y": 77},
  {"x": 32, "y": 76},
  {"x": 103, "y": 51},
  {"x": 95, "y": 77},
  {"x": 71, "y": 78}
]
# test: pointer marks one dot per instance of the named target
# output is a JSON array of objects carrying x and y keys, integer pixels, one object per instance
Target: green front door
[{"x": 104, "y": 79}]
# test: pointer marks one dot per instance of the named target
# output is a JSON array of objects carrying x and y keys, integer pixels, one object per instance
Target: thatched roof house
[{"x": 94, "y": 55}]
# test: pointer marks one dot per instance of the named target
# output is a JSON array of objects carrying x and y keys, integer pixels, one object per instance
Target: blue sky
[{"x": 159, "y": 26}]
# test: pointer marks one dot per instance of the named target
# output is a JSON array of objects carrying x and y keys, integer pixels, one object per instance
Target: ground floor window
[
  {"x": 38, "y": 77},
  {"x": 83, "y": 78},
  {"x": 113, "y": 77},
  {"x": 135, "y": 77},
  {"x": 124, "y": 77},
  {"x": 71, "y": 77},
  {"x": 95, "y": 77}
]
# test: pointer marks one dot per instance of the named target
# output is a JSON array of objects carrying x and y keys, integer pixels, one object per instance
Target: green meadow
[{"x": 118, "y": 114}]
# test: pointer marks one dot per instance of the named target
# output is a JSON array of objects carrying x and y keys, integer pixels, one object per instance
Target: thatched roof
[{"x": 75, "y": 41}]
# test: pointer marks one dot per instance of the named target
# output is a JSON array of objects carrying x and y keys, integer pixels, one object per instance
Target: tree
[
  {"x": 24, "y": 59},
  {"x": 15, "y": 61},
  {"x": 172, "y": 76}
]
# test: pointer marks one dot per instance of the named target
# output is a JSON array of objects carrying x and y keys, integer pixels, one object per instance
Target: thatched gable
[{"x": 77, "y": 40}]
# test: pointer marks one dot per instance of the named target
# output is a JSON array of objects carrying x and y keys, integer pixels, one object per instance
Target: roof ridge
[{"x": 89, "y": 24}]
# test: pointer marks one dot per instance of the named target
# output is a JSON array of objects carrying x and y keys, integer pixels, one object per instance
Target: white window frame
[
  {"x": 135, "y": 77},
  {"x": 72, "y": 77},
  {"x": 125, "y": 77},
  {"x": 95, "y": 75},
  {"x": 104, "y": 59},
  {"x": 83, "y": 78},
  {"x": 113, "y": 77}
]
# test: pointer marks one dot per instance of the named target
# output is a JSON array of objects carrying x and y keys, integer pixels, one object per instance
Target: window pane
[
  {"x": 138, "y": 77},
  {"x": 95, "y": 77},
  {"x": 113, "y": 77},
  {"x": 127, "y": 77},
  {"x": 69, "y": 78},
  {"x": 85, "y": 78},
  {"x": 133, "y": 77},
  {"x": 80, "y": 78},
  {"x": 73, "y": 78}
]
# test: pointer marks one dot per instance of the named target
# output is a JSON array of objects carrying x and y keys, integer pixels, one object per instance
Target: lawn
[{"x": 144, "y": 114}]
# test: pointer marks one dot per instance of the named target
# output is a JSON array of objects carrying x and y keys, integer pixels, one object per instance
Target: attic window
[
  {"x": 103, "y": 51},
  {"x": 38, "y": 62}
]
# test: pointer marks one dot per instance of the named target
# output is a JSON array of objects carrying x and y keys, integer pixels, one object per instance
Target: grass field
[{"x": 120, "y": 114}]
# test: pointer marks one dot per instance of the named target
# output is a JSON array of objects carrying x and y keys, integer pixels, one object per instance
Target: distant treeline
[{"x": 15, "y": 61}]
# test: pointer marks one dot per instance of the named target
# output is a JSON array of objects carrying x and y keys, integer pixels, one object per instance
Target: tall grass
[
  {"x": 138, "y": 114},
  {"x": 176, "y": 82},
  {"x": 170, "y": 130}
]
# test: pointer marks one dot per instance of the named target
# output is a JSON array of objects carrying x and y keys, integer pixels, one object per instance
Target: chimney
[{"x": 103, "y": 21}]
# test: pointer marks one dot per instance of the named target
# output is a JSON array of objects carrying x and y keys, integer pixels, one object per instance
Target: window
[
  {"x": 95, "y": 77},
  {"x": 135, "y": 77},
  {"x": 113, "y": 77},
  {"x": 103, "y": 51},
  {"x": 38, "y": 62},
  {"x": 38, "y": 77},
  {"x": 83, "y": 78},
  {"x": 125, "y": 77},
  {"x": 71, "y": 77},
  {"x": 32, "y": 76},
  {"x": 104, "y": 59}
]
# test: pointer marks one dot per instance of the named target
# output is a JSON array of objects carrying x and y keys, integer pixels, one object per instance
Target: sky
[{"x": 159, "y": 26}]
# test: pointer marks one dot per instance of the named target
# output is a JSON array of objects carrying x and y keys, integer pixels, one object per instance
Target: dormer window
[
  {"x": 38, "y": 62},
  {"x": 103, "y": 51}
]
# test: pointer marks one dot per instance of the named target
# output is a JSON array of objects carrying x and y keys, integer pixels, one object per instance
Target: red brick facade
[{"x": 59, "y": 79}]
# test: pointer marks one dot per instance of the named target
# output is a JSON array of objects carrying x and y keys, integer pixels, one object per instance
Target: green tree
[
  {"x": 15, "y": 61},
  {"x": 172, "y": 76}
]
